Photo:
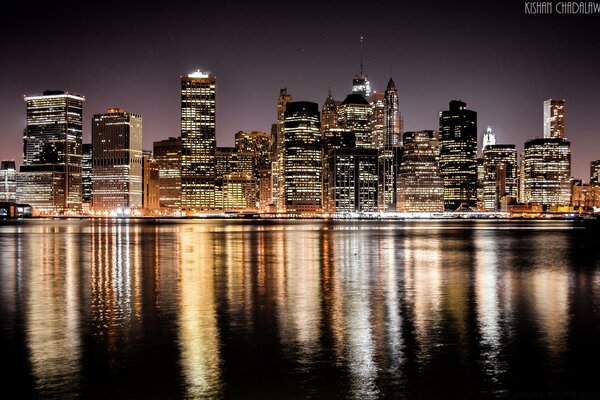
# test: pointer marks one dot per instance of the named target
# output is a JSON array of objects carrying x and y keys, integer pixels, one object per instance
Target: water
[{"x": 306, "y": 309}]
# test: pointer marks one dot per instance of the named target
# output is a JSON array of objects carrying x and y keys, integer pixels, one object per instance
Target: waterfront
[{"x": 296, "y": 309}]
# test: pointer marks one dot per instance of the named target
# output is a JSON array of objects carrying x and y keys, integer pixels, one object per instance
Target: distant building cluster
[{"x": 351, "y": 156}]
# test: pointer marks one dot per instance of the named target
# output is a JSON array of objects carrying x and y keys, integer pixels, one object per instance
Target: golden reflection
[
  {"x": 392, "y": 320},
  {"x": 423, "y": 279},
  {"x": 115, "y": 281},
  {"x": 548, "y": 287},
  {"x": 300, "y": 313},
  {"x": 488, "y": 301},
  {"x": 353, "y": 284},
  {"x": 53, "y": 306},
  {"x": 198, "y": 332}
]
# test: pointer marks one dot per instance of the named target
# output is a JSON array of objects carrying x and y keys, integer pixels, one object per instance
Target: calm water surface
[{"x": 307, "y": 309}]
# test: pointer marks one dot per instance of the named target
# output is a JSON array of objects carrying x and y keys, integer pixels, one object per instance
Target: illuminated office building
[
  {"x": 378, "y": 120},
  {"x": 389, "y": 162},
  {"x": 116, "y": 161},
  {"x": 167, "y": 153},
  {"x": 331, "y": 136},
  {"x": 546, "y": 169},
  {"x": 235, "y": 184},
  {"x": 354, "y": 118},
  {"x": 302, "y": 158},
  {"x": 554, "y": 119},
  {"x": 458, "y": 155},
  {"x": 150, "y": 186},
  {"x": 595, "y": 173},
  {"x": 393, "y": 119},
  {"x": 420, "y": 185},
  {"x": 257, "y": 144},
  {"x": 198, "y": 119},
  {"x": 86, "y": 175},
  {"x": 500, "y": 175},
  {"x": 480, "y": 182},
  {"x": 353, "y": 180},
  {"x": 279, "y": 151},
  {"x": 50, "y": 177},
  {"x": 8, "y": 182}
]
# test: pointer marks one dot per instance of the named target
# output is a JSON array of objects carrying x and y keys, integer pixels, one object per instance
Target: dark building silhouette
[{"x": 458, "y": 155}]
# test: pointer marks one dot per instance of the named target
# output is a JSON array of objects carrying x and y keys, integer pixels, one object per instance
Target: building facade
[
  {"x": 116, "y": 162},
  {"x": 86, "y": 176},
  {"x": 150, "y": 186},
  {"x": 302, "y": 158},
  {"x": 354, "y": 118},
  {"x": 353, "y": 180},
  {"x": 235, "y": 185},
  {"x": 546, "y": 170},
  {"x": 50, "y": 178},
  {"x": 198, "y": 141},
  {"x": 420, "y": 184},
  {"x": 554, "y": 119},
  {"x": 167, "y": 153},
  {"x": 8, "y": 182},
  {"x": 458, "y": 155},
  {"x": 595, "y": 173},
  {"x": 499, "y": 175}
]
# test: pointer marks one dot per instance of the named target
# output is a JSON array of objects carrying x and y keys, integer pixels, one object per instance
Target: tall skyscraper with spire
[
  {"x": 279, "y": 150},
  {"x": 360, "y": 82},
  {"x": 393, "y": 119},
  {"x": 198, "y": 141}
]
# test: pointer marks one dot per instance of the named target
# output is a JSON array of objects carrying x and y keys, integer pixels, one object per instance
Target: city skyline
[{"x": 504, "y": 76}]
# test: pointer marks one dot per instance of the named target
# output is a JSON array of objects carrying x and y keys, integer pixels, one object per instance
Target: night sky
[{"x": 503, "y": 63}]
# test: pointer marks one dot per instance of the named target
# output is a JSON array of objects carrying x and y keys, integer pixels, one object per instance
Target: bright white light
[{"x": 197, "y": 74}]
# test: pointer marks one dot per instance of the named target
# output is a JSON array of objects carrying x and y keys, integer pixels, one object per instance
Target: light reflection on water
[{"x": 309, "y": 309}]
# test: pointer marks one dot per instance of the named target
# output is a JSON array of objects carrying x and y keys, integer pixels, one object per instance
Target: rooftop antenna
[{"x": 361, "y": 54}]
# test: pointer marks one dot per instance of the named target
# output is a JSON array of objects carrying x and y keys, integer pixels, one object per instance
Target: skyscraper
[
  {"x": 554, "y": 119},
  {"x": 354, "y": 117},
  {"x": 393, "y": 118},
  {"x": 302, "y": 157},
  {"x": 420, "y": 185},
  {"x": 353, "y": 180},
  {"x": 500, "y": 175},
  {"x": 116, "y": 161},
  {"x": 258, "y": 144},
  {"x": 167, "y": 154},
  {"x": 50, "y": 178},
  {"x": 198, "y": 119},
  {"x": 458, "y": 155},
  {"x": 546, "y": 170},
  {"x": 279, "y": 150},
  {"x": 8, "y": 181},
  {"x": 150, "y": 186},
  {"x": 488, "y": 138},
  {"x": 595, "y": 173},
  {"x": 235, "y": 185},
  {"x": 86, "y": 175},
  {"x": 378, "y": 120}
]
